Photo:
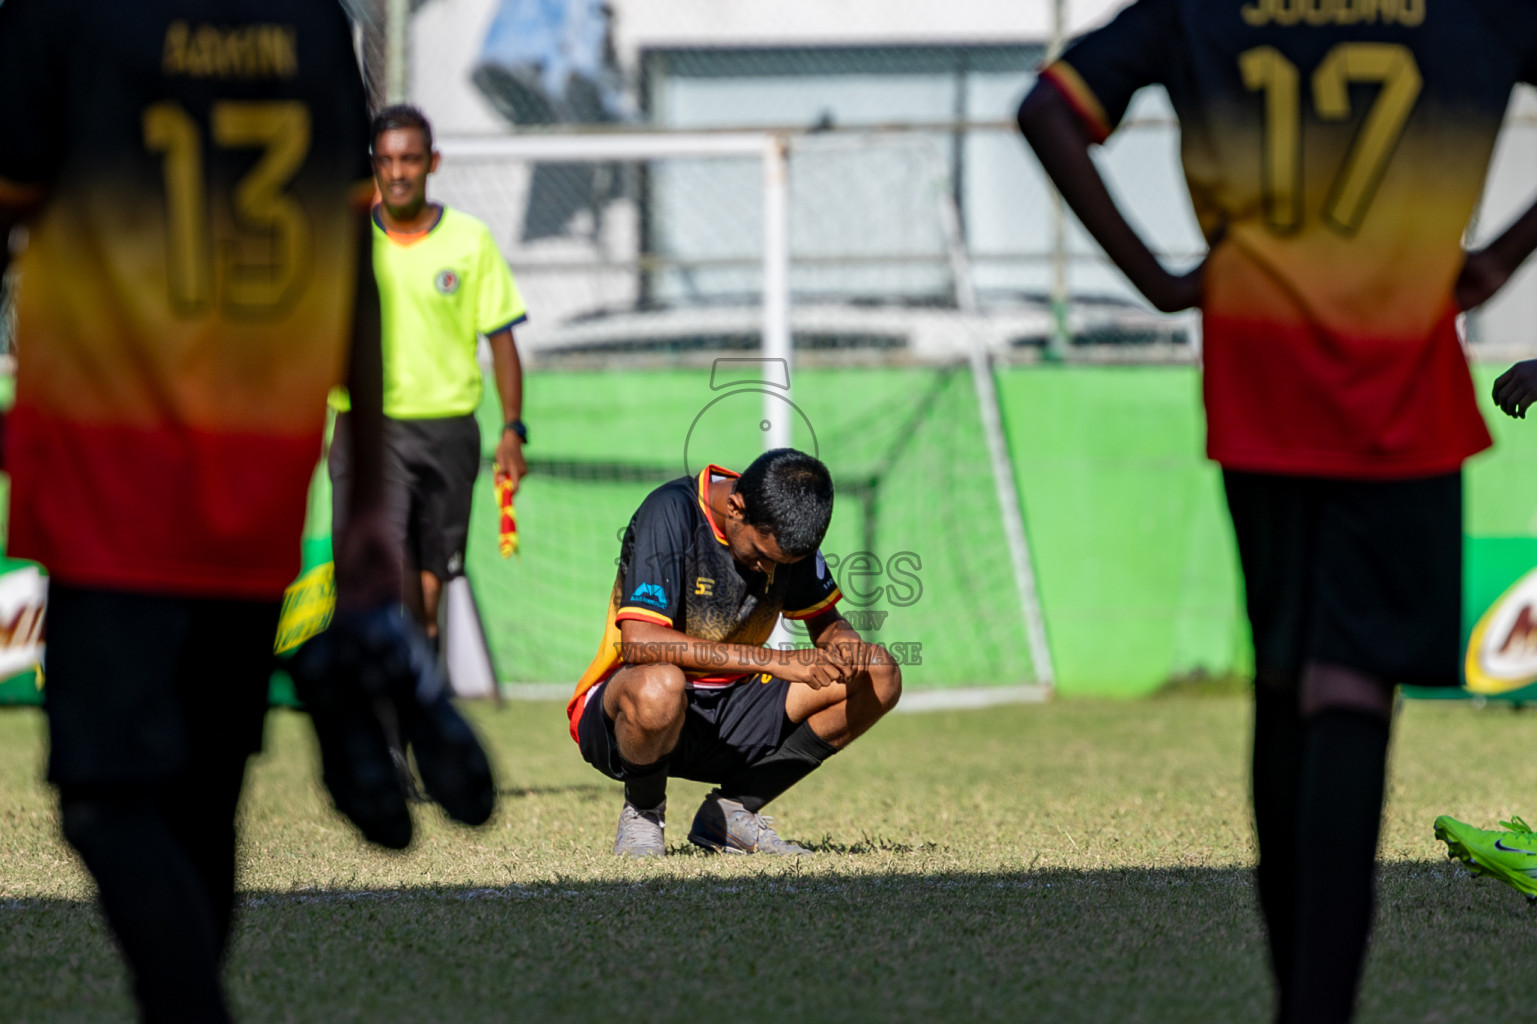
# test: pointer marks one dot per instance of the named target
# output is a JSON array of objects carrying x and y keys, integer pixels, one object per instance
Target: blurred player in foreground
[
  {"x": 682, "y": 684},
  {"x": 442, "y": 283},
  {"x": 195, "y": 181},
  {"x": 1334, "y": 153}
]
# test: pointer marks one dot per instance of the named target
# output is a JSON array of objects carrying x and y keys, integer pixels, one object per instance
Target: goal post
[
  {"x": 922, "y": 463},
  {"x": 771, "y": 148}
]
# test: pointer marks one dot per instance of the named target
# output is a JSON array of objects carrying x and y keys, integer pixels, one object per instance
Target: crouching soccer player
[{"x": 683, "y": 686}]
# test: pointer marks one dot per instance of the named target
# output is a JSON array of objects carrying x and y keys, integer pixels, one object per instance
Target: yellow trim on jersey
[
  {"x": 821, "y": 606},
  {"x": 631, "y": 612},
  {"x": 1080, "y": 97}
]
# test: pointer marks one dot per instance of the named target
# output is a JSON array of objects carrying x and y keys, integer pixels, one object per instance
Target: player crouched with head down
[{"x": 683, "y": 686}]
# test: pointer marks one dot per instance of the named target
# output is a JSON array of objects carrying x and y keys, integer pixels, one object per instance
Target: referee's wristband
[{"x": 517, "y": 427}]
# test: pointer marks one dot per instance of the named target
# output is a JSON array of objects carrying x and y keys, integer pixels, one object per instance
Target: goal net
[{"x": 651, "y": 281}]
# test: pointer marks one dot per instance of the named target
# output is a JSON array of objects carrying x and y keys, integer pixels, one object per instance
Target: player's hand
[
  {"x": 1516, "y": 389},
  {"x": 810, "y": 666},
  {"x": 1482, "y": 275},
  {"x": 367, "y": 563},
  {"x": 857, "y": 656},
  {"x": 509, "y": 458}
]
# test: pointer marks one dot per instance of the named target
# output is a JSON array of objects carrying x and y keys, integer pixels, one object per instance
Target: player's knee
[
  {"x": 1328, "y": 687},
  {"x": 91, "y": 824},
  {"x": 657, "y": 696},
  {"x": 886, "y": 683},
  {"x": 80, "y": 820}
]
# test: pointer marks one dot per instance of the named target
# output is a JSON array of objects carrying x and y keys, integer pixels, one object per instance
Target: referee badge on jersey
[{"x": 447, "y": 282}]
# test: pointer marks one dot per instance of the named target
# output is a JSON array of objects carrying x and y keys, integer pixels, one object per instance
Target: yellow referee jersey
[{"x": 438, "y": 291}]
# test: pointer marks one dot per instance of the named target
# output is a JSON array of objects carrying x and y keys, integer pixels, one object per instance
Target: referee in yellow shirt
[{"x": 442, "y": 283}]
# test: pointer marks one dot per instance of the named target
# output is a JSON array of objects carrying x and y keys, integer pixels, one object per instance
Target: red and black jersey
[
  {"x": 186, "y": 292},
  {"x": 1339, "y": 148},
  {"x": 676, "y": 570}
]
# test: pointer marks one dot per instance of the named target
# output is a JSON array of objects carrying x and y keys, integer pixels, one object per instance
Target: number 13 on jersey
[{"x": 267, "y": 218}]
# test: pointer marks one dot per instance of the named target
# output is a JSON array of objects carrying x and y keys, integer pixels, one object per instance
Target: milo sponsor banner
[
  {"x": 23, "y": 604},
  {"x": 1501, "y": 658},
  {"x": 1500, "y": 601},
  {"x": 1499, "y": 613}
]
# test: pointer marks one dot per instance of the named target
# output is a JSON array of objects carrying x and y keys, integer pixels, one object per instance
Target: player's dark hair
[
  {"x": 789, "y": 495},
  {"x": 397, "y": 117}
]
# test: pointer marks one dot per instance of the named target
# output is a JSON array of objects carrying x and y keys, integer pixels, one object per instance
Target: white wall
[
  {"x": 645, "y": 23},
  {"x": 446, "y": 35}
]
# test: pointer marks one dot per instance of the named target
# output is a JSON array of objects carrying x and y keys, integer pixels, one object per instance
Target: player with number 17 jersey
[{"x": 1337, "y": 149}]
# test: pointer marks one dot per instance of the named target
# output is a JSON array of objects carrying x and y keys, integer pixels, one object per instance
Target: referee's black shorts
[
  {"x": 1362, "y": 574},
  {"x": 430, "y": 467}
]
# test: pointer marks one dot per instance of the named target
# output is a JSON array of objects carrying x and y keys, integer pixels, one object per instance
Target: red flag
[{"x": 507, "y": 524}]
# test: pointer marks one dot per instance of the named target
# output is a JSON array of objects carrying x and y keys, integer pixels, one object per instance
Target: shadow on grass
[
  {"x": 582, "y": 788},
  {"x": 817, "y": 940}
]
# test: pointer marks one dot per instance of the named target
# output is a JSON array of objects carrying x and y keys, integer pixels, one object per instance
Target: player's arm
[
  {"x": 499, "y": 308},
  {"x": 649, "y": 643},
  {"x": 1486, "y": 270},
  {"x": 32, "y": 102},
  {"x": 367, "y": 563},
  {"x": 831, "y": 632},
  {"x": 507, "y": 368},
  {"x": 1061, "y": 142},
  {"x": 17, "y": 204}
]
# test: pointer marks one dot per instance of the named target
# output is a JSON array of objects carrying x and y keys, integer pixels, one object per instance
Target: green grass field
[{"x": 1078, "y": 861}]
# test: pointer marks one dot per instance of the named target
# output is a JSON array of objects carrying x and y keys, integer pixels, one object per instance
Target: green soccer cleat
[{"x": 1509, "y": 857}]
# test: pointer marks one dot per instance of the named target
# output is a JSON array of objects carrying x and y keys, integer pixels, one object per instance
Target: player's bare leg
[
  {"x": 1277, "y": 778},
  {"x": 1345, "y": 715},
  {"x": 647, "y": 704},
  {"x": 432, "y": 599},
  {"x": 839, "y": 714}
]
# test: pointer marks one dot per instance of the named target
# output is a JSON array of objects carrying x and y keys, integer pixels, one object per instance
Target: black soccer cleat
[
  {"x": 453, "y": 765},
  {"x": 355, "y": 760},
  {"x": 401, "y": 666}
]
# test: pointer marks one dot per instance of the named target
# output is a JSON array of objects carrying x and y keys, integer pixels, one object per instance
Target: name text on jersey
[
  {"x": 1334, "y": 12},
  {"x": 221, "y": 51}
]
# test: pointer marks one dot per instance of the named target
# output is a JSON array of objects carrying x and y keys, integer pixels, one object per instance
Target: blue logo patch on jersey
[
  {"x": 650, "y": 593},
  {"x": 447, "y": 282}
]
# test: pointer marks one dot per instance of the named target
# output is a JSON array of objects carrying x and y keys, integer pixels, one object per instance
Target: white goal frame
[{"x": 773, "y": 149}]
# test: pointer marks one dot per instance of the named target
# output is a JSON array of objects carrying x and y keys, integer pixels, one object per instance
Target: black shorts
[
  {"x": 430, "y": 468},
  {"x": 724, "y": 730},
  {"x": 1362, "y": 574},
  {"x": 141, "y": 687}
]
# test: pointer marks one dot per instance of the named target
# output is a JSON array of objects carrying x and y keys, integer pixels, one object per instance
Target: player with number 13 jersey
[{"x": 188, "y": 287}]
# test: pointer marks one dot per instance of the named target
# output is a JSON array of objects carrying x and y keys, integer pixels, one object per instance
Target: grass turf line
[{"x": 1074, "y": 861}]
